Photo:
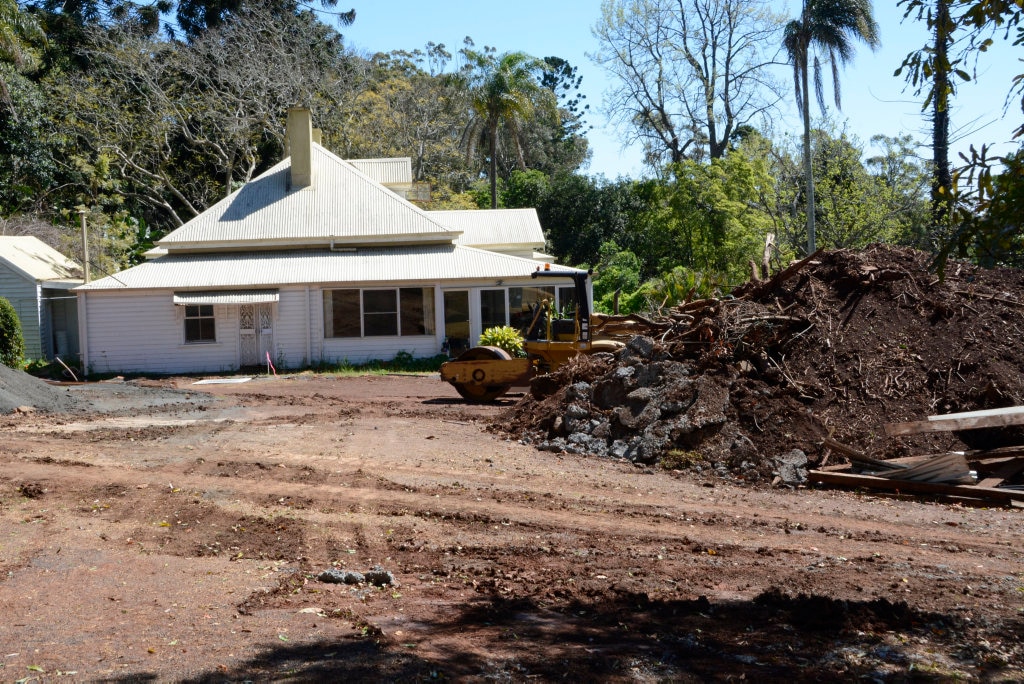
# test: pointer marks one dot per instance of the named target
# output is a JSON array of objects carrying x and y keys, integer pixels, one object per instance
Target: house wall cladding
[
  {"x": 24, "y": 296},
  {"x": 144, "y": 332},
  {"x": 133, "y": 333}
]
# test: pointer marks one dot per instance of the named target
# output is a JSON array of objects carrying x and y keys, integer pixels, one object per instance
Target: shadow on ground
[{"x": 773, "y": 638}]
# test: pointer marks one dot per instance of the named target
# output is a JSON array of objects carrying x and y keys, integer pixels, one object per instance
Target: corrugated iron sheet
[
  {"x": 227, "y": 297},
  {"x": 342, "y": 203},
  {"x": 394, "y": 171},
  {"x": 494, "y": 227},
  {"x": 424, "y": 264},
  {"x": 36, "y": 259}
]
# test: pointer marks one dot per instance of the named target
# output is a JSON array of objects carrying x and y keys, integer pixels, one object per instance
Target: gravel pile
[{"x": 19, "y": 389}]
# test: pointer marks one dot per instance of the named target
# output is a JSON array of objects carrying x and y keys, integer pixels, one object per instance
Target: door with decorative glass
[{"x": 256, "y": 334}]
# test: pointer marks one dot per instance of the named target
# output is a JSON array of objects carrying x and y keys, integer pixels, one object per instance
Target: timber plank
[
  {"x": 909, "y": 486},
  {"x": 969, "y": 420}
]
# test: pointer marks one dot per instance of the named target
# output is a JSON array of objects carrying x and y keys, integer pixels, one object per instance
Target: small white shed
[{"x": 37, "y": 280}]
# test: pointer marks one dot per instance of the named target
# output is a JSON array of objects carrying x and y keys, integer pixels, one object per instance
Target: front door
[{"x": 256, "y": 334}]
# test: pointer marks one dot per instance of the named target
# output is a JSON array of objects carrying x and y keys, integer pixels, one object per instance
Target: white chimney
[{"x": 300, "y": 145}]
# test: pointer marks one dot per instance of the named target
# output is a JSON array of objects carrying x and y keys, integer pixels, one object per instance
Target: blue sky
[{"x": 873, "y": 100}]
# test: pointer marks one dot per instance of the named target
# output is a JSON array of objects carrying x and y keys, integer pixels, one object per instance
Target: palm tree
[
  {"x": 505, "y": 90},
  {"x": 17, "y": 30},
  {"x": 828, "y": 27}
]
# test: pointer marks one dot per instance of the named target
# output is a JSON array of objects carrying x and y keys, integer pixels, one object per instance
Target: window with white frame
[
  {"x": 404, "y": 311},
  {"x": 200, "y": 324}
]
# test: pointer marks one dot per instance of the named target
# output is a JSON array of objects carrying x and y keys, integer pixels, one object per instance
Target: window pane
[
  {"x": 341, "y": 313},
  {"x": 380, "y": 312},
  {"x": 417, "y": 311},
  {"x": 379, "y": 301},
  {"x": 380, "y": 324},
  {"x": 567, "y": 300},
  {"x": 200, "y": 325},
  {"x": 492, "y": 308},
  {"x": 520, "y": 301}
]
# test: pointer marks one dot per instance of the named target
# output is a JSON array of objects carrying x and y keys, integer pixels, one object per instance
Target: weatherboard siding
[
  {"x": 290, "y": 329},
  {"x": 144, "y": 333},
  {"x": 23, "y": 294}
]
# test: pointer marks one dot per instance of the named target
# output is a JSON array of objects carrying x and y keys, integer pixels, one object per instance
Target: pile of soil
[
  {"x": 747, "y": 386},
  {"x": 19, "y": 390}
]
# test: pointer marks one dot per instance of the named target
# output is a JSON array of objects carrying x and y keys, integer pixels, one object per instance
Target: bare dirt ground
[{"x": 179, "y": 536}]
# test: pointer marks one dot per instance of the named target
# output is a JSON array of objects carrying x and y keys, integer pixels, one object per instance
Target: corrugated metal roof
[
  {"x": 427, "y": 263},
  {"x": 493, "y": 227},
  {"x": 36, "y": 259},
  {"x": 227, "y": 297},
  {"x": 393, "y": 171},
  {"x": 343, "y": 204}
]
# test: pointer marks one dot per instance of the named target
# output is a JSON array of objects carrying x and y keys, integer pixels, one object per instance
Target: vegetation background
[{"x": 142, "y": 114}]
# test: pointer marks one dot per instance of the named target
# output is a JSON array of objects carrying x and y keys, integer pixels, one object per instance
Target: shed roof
[
  {"x": 494, "y": 227},
  {"x": 362, "y": 266},
  {"x": 36, "y": 260},
  {"x": 343, "y": 206}
]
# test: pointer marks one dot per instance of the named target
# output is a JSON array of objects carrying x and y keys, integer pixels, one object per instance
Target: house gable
[{"x": 343, "y": 208}]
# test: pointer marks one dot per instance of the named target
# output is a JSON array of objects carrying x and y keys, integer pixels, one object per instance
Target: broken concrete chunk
[
  {"x": 642, "y": 346},
  {"x": 792, "y": 467},
  {"x": 334, "y": 576},
  {"x": 379, "y": 577}
]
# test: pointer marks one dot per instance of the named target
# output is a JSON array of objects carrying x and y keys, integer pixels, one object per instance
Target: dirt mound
[
  {"x": 19, "y": 389},
  {"x": 748, "y": 386}
]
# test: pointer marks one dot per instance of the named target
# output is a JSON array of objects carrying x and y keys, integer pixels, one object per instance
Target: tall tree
[
  {"x": 688, "y": 73},
  {"x": 196, "y": 16},
  {"x": 829, "y": 28},
  {"x": 17, "y": 32},
  {"x": 977, "y": 188},
  {"x": 505, "y": 92},
  {"x": 940, "y": 87}
]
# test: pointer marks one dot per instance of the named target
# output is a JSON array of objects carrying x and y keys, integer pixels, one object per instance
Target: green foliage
[
  {"x": 525, "y": 189},
  {"x": 617, "y": 271},
  {"x": 12, "y": 344},
  {"x": 716, "y": 226},
  {"x": 678, "y": 459},
  {"x": 828, "y": 27},
  {"x": 984, "y": 194},
  {"x": 503, "y": 337},
  {"x": 675, "y": 287},
  {"x": 404, "y": 362},
  {"x": 989, "y": 218},
  {"x": 505, "y": 92}
]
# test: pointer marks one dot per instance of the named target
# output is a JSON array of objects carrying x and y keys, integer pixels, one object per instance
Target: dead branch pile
[{"x": 748, "y": 386}]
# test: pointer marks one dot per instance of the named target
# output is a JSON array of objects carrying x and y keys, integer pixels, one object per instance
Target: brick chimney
[{"x": 299, "y": 134}]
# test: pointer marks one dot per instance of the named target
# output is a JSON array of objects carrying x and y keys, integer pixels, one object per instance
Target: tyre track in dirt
[{"x": 200, "y": 563}]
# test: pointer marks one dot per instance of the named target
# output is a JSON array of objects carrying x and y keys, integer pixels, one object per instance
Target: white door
[{"x": 256, "y": 334}]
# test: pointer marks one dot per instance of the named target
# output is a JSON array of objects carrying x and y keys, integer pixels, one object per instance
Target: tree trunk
[
  {"x": 942, "y": 178},
  {"x": 493, "y": 135},
  {"x": 808, "y": 170}
]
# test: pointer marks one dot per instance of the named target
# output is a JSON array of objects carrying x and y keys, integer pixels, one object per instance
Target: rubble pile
[{"x": 748, "y": 386}]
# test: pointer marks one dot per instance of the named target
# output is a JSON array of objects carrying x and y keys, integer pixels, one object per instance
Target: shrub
[
  {"x": 504, "y": 337},
  {"x": 12, "y": 343}
]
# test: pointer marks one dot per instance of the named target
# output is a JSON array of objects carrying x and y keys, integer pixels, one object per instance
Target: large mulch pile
[{"x": 749, "y": 385}]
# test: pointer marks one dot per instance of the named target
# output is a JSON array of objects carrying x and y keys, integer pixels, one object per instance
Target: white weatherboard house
[
  {"x": 316, "y": 260},
  {"x": 37, "y": 280}
]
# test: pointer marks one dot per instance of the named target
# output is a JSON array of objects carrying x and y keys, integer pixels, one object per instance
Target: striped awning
[{"x": 226, "y": 297}]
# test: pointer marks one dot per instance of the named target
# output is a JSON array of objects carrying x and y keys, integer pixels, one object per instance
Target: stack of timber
[{"x": 991, "y": 475}]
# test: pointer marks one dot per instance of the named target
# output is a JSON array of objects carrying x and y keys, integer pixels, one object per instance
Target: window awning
[{"x": 226, "y": 297}]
